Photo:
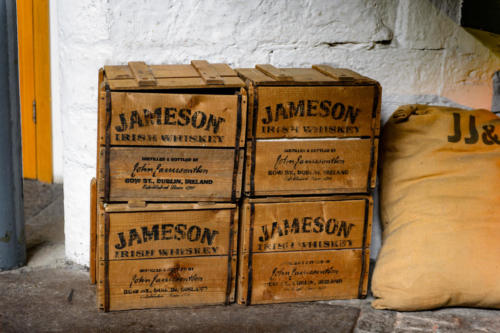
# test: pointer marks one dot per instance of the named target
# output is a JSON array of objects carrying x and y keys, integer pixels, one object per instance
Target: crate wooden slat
[
  {"x": 171, "y": 77},
  {"x": 310, "y": 166},
  {"x": 93, "y": 231},
  {"x": 161, "y": 256},
  {"x": 304, "y": 249},
  {"x": 170, "y": 174},
  {"x": 315, "y": 132},
  {"x": 167, "y": 119}
]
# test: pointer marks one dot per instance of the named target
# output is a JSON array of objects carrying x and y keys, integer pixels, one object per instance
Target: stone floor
[{"x": 52, "y": 295}]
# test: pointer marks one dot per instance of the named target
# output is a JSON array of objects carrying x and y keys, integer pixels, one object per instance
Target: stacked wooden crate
[
  {"x": 311, "y": 132},
  {"x": 169, "y": 172}
]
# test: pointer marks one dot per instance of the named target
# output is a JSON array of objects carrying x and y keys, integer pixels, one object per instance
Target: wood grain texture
[
  {"x": 172, "y": 174},
  {"x": 153, "y": 259},
  {"x": 169, "y": 234},
  {"x": 326, "y": 111},
  {"x": 299, "y": 276},
  {"x": 142, "y": 74},
  {"x": 309, "y": 166},
  {"x": 304, "y": 249},
  {"x": 156, "y": 119},
  {"x": 197, "y": 75},
  {"x": 275, "y": 73},
  {"x": 207, "y": 72},
  {"x": 306, "y": 226},
  {"x": 93, "y": 230},
  {"x": 157, "y": 283}
]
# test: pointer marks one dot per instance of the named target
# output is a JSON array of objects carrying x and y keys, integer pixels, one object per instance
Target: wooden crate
[
  {"x": 304, "y": 249},
  {"x": 310, "y": 131},
  {"x": 166, "y": 255},
  {"x": 170, "y": 133}
]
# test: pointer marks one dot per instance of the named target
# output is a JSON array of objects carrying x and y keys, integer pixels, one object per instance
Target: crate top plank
[
  {"x": 268, "y": 75},
  {"x": 198, "y": 75}
]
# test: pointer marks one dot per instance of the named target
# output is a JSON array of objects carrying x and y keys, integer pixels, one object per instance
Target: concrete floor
[{"x": 52, "y": 295}]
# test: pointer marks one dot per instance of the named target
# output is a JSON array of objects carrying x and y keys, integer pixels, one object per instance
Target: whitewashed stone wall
[{"x": 413, "y": 47}]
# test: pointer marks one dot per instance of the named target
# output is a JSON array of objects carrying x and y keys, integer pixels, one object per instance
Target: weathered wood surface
[
  {"x": 310, "y": 166},
  {"x": 171, "y": 174},
  {"x": 157, "y": 283},
  {"x": 316, "y": 75},
  {"x": 93, "y": 230},
  {"x": 172, "y": 76},
  {"x": 168, "y": 234},
  {"x": 309, "y": 112},
  {"x": 160, "y": 119},
  {"x": 294, "y": 249},
  {"x": 153, "y": 259},
  {"x": 300, "y": 277}
]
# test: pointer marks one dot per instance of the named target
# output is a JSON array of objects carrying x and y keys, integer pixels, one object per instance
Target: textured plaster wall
[{"x": 413, "y": 47}]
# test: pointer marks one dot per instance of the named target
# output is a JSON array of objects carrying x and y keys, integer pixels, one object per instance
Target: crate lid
[
  {"x": 199, "y": 74},
  {"x": 268, "y": 75}
]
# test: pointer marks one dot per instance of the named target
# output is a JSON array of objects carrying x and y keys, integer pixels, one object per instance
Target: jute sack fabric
[{"x": 440, "y": 210}]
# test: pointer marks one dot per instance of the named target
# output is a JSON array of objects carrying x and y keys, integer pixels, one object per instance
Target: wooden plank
[
  {"x": 275, "y": 73},
  {"x": 308, "y": 226},
  {"x": 93, "y": 230},
  {"x": 141, "y": 73},
  {"x": 209, "y": 75},
  {"x": 176, "y": 83},
  {"x": 118, "y": 72},
  {"x": 101, "y": 264},
  {"x": 169, "y": 234},
  {"x": 27, "y": 87},
  {"x": 339, "y": 74},
  {"x": 254, "y": 75},
  {"x": 173, "y": 71},
  {"x": 147, "y": 119},
  {"x": 305, "y": 276},
  {"x": 156, "y": 283},
  {"x": 326, "y": 111},
  {"x": 224, "y": 70},
  {"x": 309, "y": 166},
  {"x": 42, "y": 90},
  {"x": 172, "y": 174},
  {"x": 304, "y": 75}
]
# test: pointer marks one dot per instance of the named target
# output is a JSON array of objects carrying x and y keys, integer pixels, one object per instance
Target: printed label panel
[
  {"x": 152, "y": 119},
  {"x": 173, "y": 174},
  {"x": 170, "y": 234},
  {"x": 301, "y": 112},
  {"x": 308, "y": 226},
  {"x": 305, "y": 276},
  {"x": 155, "y": 283},
  {"x": 311, "y": 166}
]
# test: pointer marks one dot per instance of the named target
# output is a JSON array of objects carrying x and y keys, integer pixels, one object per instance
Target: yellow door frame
[{"x": 33, "y": 30}]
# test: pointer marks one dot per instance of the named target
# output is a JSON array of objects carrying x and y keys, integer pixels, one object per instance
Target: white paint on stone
[{"x": 413, "y": 47}]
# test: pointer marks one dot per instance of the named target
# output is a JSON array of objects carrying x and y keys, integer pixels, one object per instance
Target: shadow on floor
[{"x": 44, "y": 223}]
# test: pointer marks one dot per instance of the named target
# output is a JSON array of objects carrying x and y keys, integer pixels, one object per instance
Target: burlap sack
[{"x": 440, "y": 209}]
